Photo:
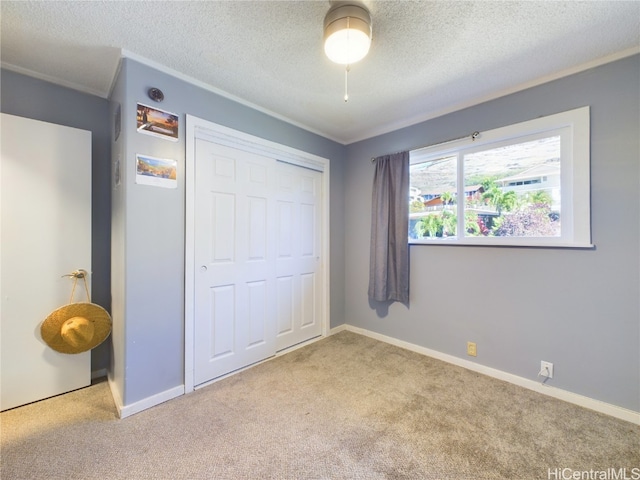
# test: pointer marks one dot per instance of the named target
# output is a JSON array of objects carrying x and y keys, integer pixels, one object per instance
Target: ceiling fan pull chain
[{"x": 346, "y": 84}]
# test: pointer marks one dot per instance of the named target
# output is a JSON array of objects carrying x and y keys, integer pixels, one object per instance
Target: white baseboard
[
  {"x": 565, "y": 395},
  {"x": 137, "y": 407},
  {"x": 339, "y": 328}
]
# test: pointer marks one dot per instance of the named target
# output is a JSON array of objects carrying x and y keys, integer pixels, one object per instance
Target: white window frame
[{"x": 574, "y": 128}]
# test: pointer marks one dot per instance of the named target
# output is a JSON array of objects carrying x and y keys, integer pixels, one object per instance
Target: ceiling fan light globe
[
  {"x": 347, "y": 33},
  {"x": 347, "y": 46}
]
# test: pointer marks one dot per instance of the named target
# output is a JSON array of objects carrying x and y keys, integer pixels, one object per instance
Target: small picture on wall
[
  {"x": 157, "y": 172},
  {"x": 157, "y": 122}
]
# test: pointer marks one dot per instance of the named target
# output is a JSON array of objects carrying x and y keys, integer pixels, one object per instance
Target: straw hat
[{"x": 76, "y": 327}]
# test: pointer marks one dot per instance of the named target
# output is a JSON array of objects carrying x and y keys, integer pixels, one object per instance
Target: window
[{"x": 522, "y": 185}]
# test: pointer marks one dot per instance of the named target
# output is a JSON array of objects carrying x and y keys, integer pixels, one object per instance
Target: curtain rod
[{"x": 473, "y": 136}]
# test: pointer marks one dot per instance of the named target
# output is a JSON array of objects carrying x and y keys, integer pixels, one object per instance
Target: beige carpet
[{"x": 346, "y": 407}]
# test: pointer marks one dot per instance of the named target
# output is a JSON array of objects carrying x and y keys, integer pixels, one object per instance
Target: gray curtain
[{"x": 389, "y": 254}]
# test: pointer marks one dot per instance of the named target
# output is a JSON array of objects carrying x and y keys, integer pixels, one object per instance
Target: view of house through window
[{"x": 507, "y": 190}]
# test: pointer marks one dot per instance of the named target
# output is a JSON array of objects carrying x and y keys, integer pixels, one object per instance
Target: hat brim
[{"x": 51, "y": 328}]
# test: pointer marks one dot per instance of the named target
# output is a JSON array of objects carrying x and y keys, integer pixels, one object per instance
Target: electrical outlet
[
  {"x": 546, "y": 369},
  {"x": 471, "y": 349}
]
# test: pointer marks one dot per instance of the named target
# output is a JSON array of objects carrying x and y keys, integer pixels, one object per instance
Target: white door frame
[{"x": 197, "y": 128}]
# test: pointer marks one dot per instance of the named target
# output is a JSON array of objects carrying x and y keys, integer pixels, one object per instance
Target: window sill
[{"x": 485, "y": 243}]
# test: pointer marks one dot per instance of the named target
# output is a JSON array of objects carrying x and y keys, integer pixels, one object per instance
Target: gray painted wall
[
  {"x": 28, "y": 97},
  {"x": 576, "y": 308},
  {"x": 148, "y": 254}
]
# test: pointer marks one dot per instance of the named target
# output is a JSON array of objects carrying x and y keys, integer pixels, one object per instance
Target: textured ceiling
[{"x": 426, "y": 57}]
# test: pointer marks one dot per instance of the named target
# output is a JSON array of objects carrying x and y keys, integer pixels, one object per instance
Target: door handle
[{"x": 203, "y": 268}]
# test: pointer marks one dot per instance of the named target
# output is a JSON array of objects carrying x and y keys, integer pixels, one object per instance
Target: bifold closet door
[
  {"x": 298, "y": 254},
  {"x": 234, "y": 250},
  {"x": 257, "y": 243}
]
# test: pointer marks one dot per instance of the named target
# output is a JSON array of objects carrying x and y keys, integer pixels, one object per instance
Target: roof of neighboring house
[{"x": 470, "y": 188}]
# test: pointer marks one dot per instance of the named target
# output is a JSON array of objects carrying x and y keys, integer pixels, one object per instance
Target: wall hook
[{"x": 80, "y": 273}]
